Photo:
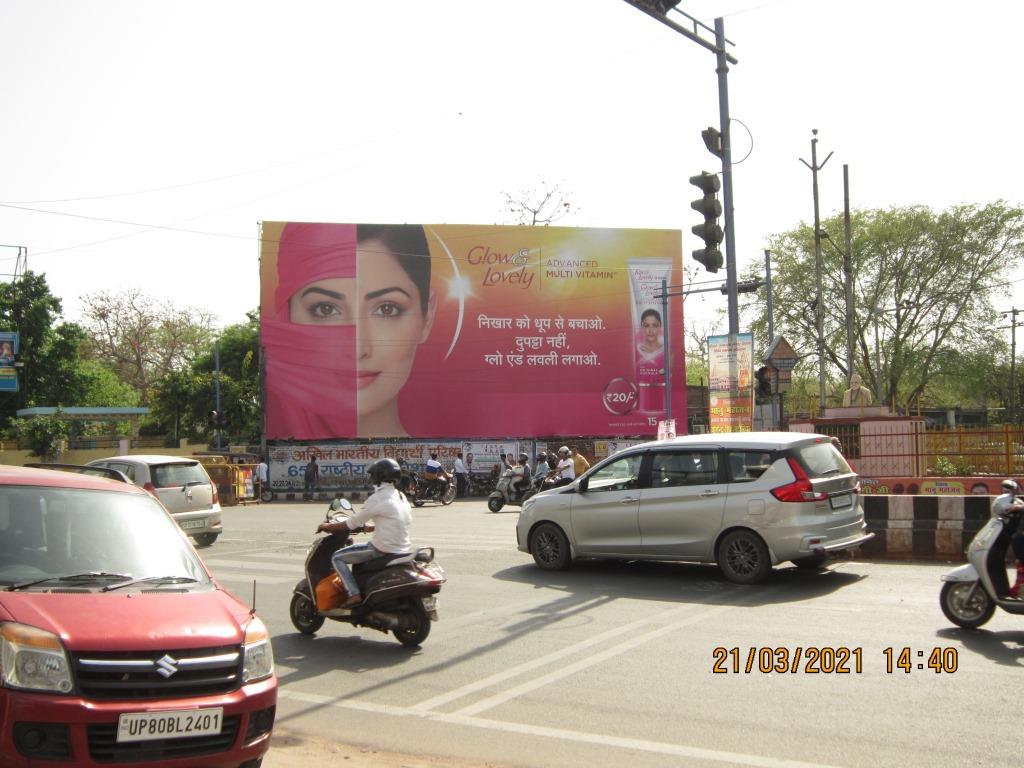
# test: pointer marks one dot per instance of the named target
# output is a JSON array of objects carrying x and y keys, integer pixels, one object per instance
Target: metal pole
[
  {"x": 667, "y": 350},
  {"x": 216, "y": 367},
  {"x": 848, "y": 271},
  {"x": 819, "y": 311},
  {"x": 771, "y": 321},
  {"x": 1013, "y": 365},
  {"x": 723, "y": 117}
]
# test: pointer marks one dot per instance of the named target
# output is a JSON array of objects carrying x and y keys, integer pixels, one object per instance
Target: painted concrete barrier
[{"x": 923, "y": 527}]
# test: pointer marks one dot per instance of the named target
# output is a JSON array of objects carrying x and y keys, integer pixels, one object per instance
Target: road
[{"x": 614, "y": 662}]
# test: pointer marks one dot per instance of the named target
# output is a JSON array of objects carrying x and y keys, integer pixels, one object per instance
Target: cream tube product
[{"x": 645, "y": 280}]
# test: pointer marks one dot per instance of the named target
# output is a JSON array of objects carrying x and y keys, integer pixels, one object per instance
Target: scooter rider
[
  {"x": 541, "y": 470},
  {"x": 1003, "y": 505},
  {"x": 390, "y": 514},
  {"x": 524, "y": 477}
]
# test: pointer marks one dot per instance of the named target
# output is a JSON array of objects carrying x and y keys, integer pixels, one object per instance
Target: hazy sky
[{"x": 142, "y": 141}]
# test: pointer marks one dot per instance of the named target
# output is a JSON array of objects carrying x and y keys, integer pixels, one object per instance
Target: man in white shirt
[
  {"x": 461, "y": 476},
  {"x": 564, "y": 472},
  {"x": 387, "y": 513},
  {"x": 261, "y": 478}
]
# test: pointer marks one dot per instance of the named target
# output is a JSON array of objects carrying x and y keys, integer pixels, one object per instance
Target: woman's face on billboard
[
  {"x": 329, "y": 301},
  {"x": 652, "y": 331},
  {"x": 391, "y": 325}
]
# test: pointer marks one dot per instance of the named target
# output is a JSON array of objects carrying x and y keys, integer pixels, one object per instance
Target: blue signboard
[{"x": 8, "y": 354}]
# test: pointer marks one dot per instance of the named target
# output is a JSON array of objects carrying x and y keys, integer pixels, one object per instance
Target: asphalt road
[{"x": 608, "y": 663}]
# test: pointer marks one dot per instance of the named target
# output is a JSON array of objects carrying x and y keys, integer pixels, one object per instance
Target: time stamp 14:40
[{"x": 828, "y": 660}]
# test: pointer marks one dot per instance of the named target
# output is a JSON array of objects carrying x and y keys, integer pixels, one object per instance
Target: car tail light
[
  {"x": 150, "y": 487},
  {"x": 216, "y": 495},
  {"x": 800, "y": 489}
]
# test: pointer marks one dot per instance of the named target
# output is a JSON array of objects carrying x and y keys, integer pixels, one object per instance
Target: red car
[{"x": 116, "y": 645}]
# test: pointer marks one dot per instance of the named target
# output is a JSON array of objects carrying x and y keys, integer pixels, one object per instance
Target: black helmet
[
  {"x": 384, "y": 471},
  {"x": 524, "y": 457},
  {"x": 542, "y": 455}
]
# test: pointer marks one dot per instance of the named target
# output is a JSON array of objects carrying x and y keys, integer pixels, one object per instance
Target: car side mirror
[{"x": 582, "y": 486}]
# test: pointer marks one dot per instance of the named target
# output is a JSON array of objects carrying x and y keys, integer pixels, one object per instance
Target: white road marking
[{"x": 562, "y": 734}]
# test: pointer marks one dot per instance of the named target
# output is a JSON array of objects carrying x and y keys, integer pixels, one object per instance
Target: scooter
[
  {"x": 399, "y": 595},
  {"x": 971, "y": 592},
  {"x": 505, "y": 491}
]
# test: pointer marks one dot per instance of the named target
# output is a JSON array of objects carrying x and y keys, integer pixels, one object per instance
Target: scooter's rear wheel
[
  {"x": 417, "y": 624},
  {"x": 495, "y": 503},
  {"x": 966, "y": 604},
  {"x": 303, "y": 614}
]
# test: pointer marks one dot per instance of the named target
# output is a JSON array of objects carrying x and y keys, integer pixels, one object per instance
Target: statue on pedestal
[{"x": 857, "y": 394}]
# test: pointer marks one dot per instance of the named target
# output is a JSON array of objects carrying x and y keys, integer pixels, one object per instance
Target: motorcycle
[
  {"x": 440, "y": 488},
  {"x": 972, "y": 592},
  {"x": 505, "y": 491},
  {"x": 399, "y": 596}
]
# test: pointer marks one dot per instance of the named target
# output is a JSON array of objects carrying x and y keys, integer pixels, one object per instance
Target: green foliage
[
  {"x": 924, "y": 287},
  {"x": 42, "y": 434},
  {"x": 957, "y": 467}
]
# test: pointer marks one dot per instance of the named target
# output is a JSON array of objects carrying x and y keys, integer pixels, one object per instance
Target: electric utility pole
[{"x": 819, "y": 306}]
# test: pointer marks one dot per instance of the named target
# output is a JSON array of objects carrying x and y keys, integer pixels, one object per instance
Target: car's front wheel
[
  {"x": 549, "y": 547},
  {"x": 743, "y": 557}
]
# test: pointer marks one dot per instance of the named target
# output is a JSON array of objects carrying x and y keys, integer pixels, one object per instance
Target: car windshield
[
  {"x": 822, "y": 460},
  {"x": 175, "y": 475},
  {"x": 82, "y": 536}
]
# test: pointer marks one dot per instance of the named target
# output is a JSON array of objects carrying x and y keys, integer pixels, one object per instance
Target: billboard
[
  {"x": 461, "y": 331},
  {"x": 8, "y": 353},
  {"x": 730, "y": 359}
]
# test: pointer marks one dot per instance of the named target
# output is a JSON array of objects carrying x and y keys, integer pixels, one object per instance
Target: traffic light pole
[{"x": 730, "y": 234}]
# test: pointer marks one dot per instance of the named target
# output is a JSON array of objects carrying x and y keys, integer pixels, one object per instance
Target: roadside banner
[
  {"x": 467, "y": 332},
  {"x": 730, "y": 361}
]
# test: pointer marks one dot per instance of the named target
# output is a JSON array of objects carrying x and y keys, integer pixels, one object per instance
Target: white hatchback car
[
  {"x": 181, "y": 484},
  {"x": 745, "y": 501}
]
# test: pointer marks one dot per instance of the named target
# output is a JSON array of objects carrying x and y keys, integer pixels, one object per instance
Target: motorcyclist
[
  {"x": 386, "y": 513},
  {"x": 541, "y": 469},
  {"x": 522, "y": 474},
  {"x": 437, "y": 478},
  {"x": 564, "y": 472},
  {"x": 1004, "y": 505}
]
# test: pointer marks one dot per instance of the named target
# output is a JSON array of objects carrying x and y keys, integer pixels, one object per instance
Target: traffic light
[
  {"x": 709, "y": 231},
  {"x": 214, "y": 420}
]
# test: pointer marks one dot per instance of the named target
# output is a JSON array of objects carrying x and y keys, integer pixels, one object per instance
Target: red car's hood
[{"x": 131, "y": 621}]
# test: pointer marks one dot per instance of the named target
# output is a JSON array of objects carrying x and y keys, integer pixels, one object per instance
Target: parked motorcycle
[
  {"x": 441, "y": 489},
  {"x": 505, "y": 491},
  {"x": 971, "y": 592},
  {"x": 399, "y": 596}
]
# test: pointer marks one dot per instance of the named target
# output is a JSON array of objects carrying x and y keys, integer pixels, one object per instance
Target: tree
[
  {"x": 534, "y": 207},
  {"x": 144, "y": 340},
  {"x": 925, "y": 283},
  {"x": 49, "y": 350},
  {"x": 181, "y": 401},
  {"x": 42, "y": 434}
]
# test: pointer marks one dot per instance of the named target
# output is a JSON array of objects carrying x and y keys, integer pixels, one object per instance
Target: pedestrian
[
  {"x": 579, "y": 462},
  {"x": 461, "y": 476},
  {"x": 262, "y": 477},
  {"x": 312, "y": 478}
]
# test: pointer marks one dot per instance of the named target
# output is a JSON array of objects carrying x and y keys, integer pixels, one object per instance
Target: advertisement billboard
[
  {"x": 8, "y": 353},
  {"x": 730, "y": 359},
  {"x": 373, "y": 331}
]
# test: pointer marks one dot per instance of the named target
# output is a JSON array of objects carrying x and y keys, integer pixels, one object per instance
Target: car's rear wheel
[
  {"x": 549, "y": 547},
  {"x": 743, "y": 557},
  {"x": 963, "y": 608},
  {"x": 205, "y": 539}
]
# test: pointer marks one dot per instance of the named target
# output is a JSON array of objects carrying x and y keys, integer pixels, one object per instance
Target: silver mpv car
[{"x": 745, "y": 501}]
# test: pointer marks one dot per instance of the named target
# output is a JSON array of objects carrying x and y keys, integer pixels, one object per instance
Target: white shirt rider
[
  {"x": 566, "y": 469},
  {"x": 391, "y": 516}
]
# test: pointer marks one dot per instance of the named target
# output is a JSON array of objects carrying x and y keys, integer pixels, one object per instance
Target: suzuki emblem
[{"x": 165, "y": 665}]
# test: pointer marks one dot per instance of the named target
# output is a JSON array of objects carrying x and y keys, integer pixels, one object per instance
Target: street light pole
[{"x": 819, "y": 312}]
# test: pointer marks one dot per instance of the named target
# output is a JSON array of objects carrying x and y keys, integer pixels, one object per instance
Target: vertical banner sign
[
  {"x": 8, "y": 353},
  {"x": 732, "y": 392},
  {"x": 466, "y": 332}
]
